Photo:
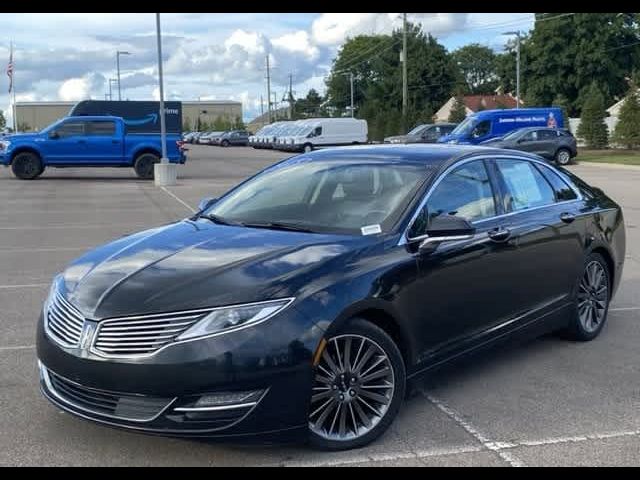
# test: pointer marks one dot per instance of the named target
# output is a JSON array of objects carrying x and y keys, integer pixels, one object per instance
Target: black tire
[
  {"x": 27, "y": 166},
  {"x": 393, "y": 364},
  {"x": 225, "y": 143},
  {"x": 577, "y": 329},
  {"x": 307, "y": 147},
  {"x": 143, "y": 165},
  {"x": 563, "y": 156}
]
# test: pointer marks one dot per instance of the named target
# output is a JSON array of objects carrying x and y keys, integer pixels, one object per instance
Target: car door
[
  {"x": 544, "y": 223},
  {"x": 547, "y": 143},
  {"x": 67, "y": 143},
  {"x": 528, "y": 142},
  {"x": 462, "y": 289},
  {"x": 104, "y": 142}
]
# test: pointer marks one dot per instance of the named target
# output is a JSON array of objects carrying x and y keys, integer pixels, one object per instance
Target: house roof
[{"x": 489, "y": 102}]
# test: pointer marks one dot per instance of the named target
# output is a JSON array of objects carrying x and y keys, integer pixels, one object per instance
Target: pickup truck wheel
[
  {"x": 27, "y": 166},
  {"x": 144, "y": 165}
]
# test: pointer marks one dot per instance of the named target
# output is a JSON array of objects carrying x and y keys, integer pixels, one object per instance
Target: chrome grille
[
  {"x": 143, "y": 335},
  {"x": 136, "y": 408},
  {"x": 64, "y": 321}
]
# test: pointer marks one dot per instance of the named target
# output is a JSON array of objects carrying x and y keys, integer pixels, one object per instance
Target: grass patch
[{"x": 624, "y": 157}]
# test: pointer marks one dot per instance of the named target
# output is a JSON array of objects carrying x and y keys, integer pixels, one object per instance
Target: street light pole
[
  {"x": 118, "y": 53},
  {"x": 351, "y": 82},
  {"x": 517, "y": 34},
  {"x": 405, "y": 90},
  {"x": 165, "y": 173}
]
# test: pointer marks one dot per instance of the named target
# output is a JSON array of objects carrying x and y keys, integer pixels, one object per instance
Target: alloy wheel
[
  {"x": 593, "y": 296},
  {"x": 353, "y": 388}
]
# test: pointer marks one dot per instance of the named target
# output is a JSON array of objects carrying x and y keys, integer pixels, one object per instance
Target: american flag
[{"x": 10, "y": 69}]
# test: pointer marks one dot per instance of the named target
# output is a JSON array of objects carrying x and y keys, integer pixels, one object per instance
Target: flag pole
[{"x": 13, "y": 91}]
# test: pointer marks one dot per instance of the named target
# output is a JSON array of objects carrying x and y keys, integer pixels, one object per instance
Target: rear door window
[{"x": 525, "y": 186}]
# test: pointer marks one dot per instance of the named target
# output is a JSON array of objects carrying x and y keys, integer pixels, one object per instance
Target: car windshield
[
  {"x": 465, "y": 127},
  {"x": 417, "y": 130},
  {"x": 334, "y": 196}
]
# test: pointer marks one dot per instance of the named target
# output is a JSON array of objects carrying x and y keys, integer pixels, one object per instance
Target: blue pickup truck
[{"x": 87, "y": 141}]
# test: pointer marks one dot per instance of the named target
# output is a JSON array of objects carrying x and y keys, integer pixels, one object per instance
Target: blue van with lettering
[{"x": 487, "y": 124}]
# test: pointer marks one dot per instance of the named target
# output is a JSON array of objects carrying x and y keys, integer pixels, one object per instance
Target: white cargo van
[{"x": 326, "y": 132}]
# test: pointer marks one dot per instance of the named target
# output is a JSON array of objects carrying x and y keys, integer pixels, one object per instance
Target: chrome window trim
[
  {"x": 99, "y": 353},
  {"x": 404, "y": 239},
  {"x": 44, "y": 373}
]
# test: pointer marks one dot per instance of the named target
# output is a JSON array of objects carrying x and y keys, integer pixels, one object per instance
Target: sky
[{"x": 206, "y": 56}]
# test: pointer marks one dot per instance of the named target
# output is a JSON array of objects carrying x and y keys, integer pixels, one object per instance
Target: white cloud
[
  {"x": 74, "y": 89},
  {"x": 299, "y": 41}
]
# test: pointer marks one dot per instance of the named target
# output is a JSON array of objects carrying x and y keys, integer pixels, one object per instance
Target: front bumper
[{"x": 157, "y": 394}]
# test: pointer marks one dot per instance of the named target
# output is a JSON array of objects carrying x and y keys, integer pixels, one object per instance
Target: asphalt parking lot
[{"x": 549, "y": 402}]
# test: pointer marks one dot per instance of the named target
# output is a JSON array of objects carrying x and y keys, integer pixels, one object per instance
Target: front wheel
[
  {"x": 27, "y": 166},
  {"x": 591, "y": 301},
  {"x": 144, "y": 165},
  {"x": 225, "y": 143},
  {"x": 307, "y": 148},
  {"x": 563, "y": 157},
  {"x": 358, "y": 387}
]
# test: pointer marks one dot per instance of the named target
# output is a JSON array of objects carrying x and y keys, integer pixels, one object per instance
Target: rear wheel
[
  {"x": 225, "y": 143},
  {"x": 592, "y": 300},
  {"x": 307, "y": 147},
  {"x": 144, "y": 165},
  {"x": 27, "y": 166},
  {"x": 563, "y": 157},
  {"x": 358, "y": 387}
]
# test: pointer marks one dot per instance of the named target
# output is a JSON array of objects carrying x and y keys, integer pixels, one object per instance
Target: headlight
[
  {"x": 52, "y": 293},
  {"x": 229, "y": 319},
  {"x": 4, "y": 145}
]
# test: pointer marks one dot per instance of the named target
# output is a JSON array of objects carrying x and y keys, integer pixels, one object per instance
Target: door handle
[
  {"x": 567, "y": 217},
  {"x": 115, "y": 141},
  {"x": 82, "y": 141},
  {"x": 500, "y": 234}
]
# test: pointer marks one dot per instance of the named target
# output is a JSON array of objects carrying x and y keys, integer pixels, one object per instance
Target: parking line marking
[
  {"x": 185, "y": 204},
  {"x": 52, "y": 249},
  {"x": 496, "y": 447},
  {"x": 29, "y": 285},
  {"x": 574, "y": 439},
  {"x": 19, "y": 347},
  {"x": 624, "y": 309},
  {"x": 382, "y": 457}
]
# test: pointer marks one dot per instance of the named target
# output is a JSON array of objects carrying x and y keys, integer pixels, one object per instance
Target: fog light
[{"x": 222, "y": 401}]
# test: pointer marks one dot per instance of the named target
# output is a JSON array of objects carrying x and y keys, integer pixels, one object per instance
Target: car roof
[{"x": 434, "y": 155}]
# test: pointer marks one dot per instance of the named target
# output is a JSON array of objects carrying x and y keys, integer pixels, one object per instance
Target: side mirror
[
  {"x": 53, "y": 135},
  {"x": 444, "y": 228},
  {"x": 205, "y": 203}
]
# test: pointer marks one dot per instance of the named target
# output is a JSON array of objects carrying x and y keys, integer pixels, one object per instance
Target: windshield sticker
[{"x": 371, "y": 230}]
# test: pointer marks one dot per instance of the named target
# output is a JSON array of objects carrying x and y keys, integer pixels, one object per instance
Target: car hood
[
  {"x": 21, "y": 136},
  {"x": 397, "y": 138},
  {"x": 197, "y": 264}
]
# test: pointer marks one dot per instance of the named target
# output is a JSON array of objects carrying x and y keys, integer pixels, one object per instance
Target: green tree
[
  {"x": 477, "y": 65},
  {"x": 239, "y": 124},
  {"x": 186, "y": 124},
  {"x": 627, "y": 131},
  {"x": 458, "y": 112},
  {"x": 374, "y": 61},
  {"x": 309, "y": 106},
  {"x": 3, "y": 121},
  {"x": 565, "y": 53},
  {"x": 592, "y": 127},
  {"x": 24, "y": 127}
]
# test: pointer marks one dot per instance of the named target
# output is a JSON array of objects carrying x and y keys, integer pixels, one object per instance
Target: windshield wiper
[
  {"x": 279, "y": 226},
  {"x": 220, "y": 220}
]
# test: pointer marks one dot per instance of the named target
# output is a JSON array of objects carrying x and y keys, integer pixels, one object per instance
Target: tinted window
[
  {"x": 563, "y": 191},
  {"x": 70, "y": 129},
  {"x": 525, "y": 185},
  {"x": 465, "y": 192},
  {"x": 547, "y": 134},
  {"x": 102, "y": 129},
  {"x": 530, "y": 137}
]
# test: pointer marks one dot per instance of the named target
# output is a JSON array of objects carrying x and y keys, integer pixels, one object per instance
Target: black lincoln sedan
[{"x": 302, "y": 302}]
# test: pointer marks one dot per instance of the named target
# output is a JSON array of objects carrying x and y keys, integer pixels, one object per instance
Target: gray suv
[
  {"x": 551, "y": 143},
  {"x": 428, "y": 133}
]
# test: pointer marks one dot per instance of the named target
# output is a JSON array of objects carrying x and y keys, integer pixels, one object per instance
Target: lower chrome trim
[{"x": 216, "y": 408}]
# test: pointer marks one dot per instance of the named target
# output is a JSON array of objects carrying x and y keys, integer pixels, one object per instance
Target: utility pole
[
  {"x": 517, "y": 34},
  {"x": 351, "y": 82},
  {"x": 290, "y": 95},
  {"x": 405, "y": 90},
  {"x": 268, "y": 91},
  {"x": 261, "y": 105},
  {"x": 118, "y": 53}
]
